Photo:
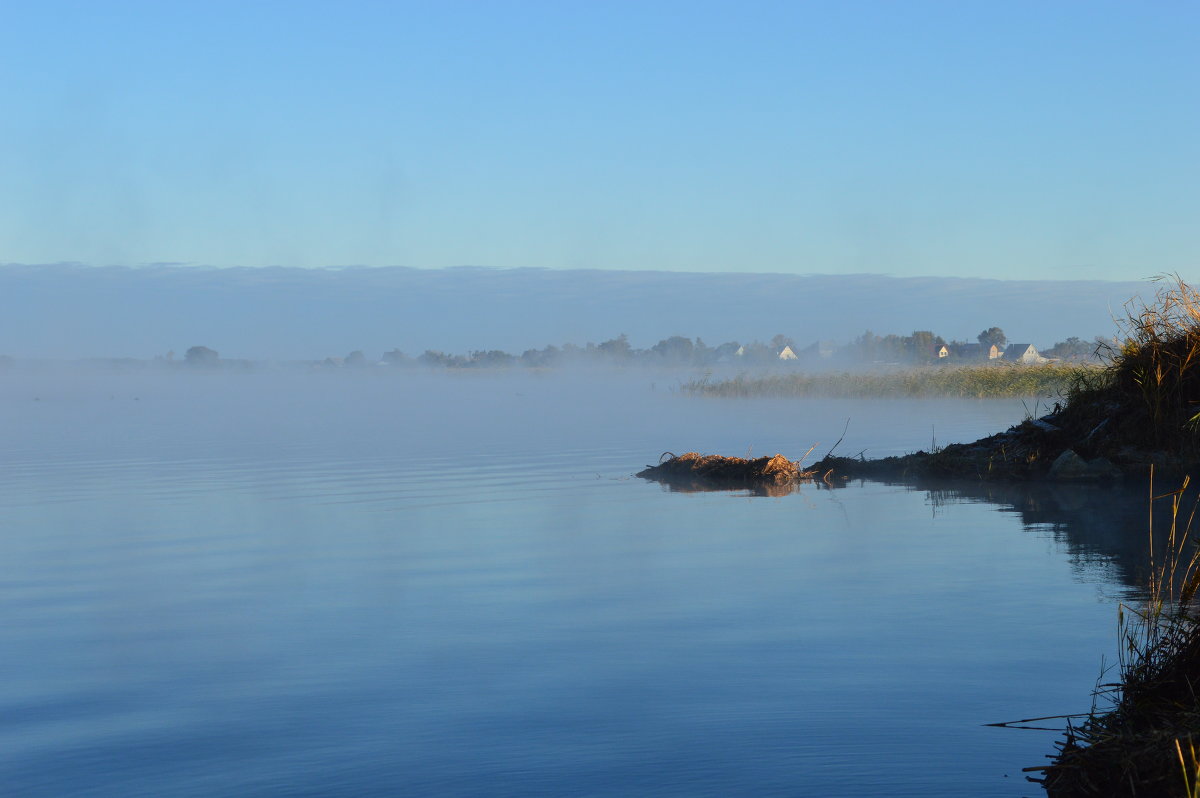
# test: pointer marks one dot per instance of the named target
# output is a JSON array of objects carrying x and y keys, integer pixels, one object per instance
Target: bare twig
[{"x": 839, "y": 440}]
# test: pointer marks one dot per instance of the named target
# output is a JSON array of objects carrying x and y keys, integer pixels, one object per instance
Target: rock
[{"x": 1070, "y": 467}]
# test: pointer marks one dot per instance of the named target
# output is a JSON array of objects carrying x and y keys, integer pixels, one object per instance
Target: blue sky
[{"x": 1003, "y": 139}]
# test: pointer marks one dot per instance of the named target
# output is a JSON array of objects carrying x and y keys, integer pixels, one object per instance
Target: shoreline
[{"x": 1048, "y": 448}]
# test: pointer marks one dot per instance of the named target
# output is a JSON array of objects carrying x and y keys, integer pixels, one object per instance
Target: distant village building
[
  {"x": 1025, "y": 354},
  {"x": 787, "y": 354},
  {"x": 978, "y": 352},
  {"x": 942, "y": 351}
]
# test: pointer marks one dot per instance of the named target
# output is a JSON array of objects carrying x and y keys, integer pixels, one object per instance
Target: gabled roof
[{"x": 976, "y": 350}]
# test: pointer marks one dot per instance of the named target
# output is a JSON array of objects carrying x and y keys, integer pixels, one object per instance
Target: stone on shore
[{"x": 1070, "y": 467}]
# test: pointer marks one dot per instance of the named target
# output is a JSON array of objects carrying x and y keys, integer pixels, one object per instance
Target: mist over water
[
  {"x": 284, "y": 314},
  {"x": 387, "y": 583}
]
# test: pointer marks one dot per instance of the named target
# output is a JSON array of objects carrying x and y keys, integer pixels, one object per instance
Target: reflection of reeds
[
  {"x": 1142, "y": 742},
  {"x": 995, "y": 380}
]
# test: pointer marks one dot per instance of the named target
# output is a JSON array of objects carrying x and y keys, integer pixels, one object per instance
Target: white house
[{"x": 1024, "y": 353}]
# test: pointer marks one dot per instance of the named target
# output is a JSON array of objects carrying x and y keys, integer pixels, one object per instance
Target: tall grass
[
  {"x": 1152, "y": 379},
  {"x": 1144, "y": 743},
  {"x": 994, "y": 380}
]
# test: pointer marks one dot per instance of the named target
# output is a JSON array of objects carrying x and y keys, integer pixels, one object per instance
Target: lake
[{"x": 378, "y": 584}]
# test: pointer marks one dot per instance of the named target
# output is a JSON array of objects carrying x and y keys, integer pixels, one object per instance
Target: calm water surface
[{"x": 303, "y": 585}]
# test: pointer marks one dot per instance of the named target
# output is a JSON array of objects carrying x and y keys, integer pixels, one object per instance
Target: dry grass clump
[
  {"x": 1145, "y": 745},
  {"x": 1151, "y": 387},
  {"x": 720, "y": 471},
  {"x": 1160, "y": 357}
]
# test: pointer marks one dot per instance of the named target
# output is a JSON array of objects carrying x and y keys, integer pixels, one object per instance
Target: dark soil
[{"x": 1027, "y": 451}]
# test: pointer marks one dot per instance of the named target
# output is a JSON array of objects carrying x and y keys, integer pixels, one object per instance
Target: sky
[{"x": 1010, "y": 139}]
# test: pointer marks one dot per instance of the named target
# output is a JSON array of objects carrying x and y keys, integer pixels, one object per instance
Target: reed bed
[
  {"x": 972, "y": 382},
  {"x": 1154, "y": 371},
  {"x": 1145, "y": 743}
]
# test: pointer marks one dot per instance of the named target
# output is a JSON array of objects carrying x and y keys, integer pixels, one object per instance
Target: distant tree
[
  {"x": 1073, "y": 348},
  {"x": 702, "y": 353},
  {"x": 865, "y": 347},
  {"x": 780, "y": 341},
  {"x": 492, "y": 358},
  {"x": 993, "y": 335},
  {"x": 432, "y": 357},
  {"x": 726, "y": 350},
  {"x": 920, "y": 346},
  {"x": 201, "y": 356},
  {"x": 675, "y": 349},
  {"x": 541, "y": 358},
  {"x": 355, "y": 359},
  {"x": 892, "y": 348},
  {"x": 758, "y": 352},
  {"x": 618, "y": 348},
  {"x": 395, "y": 358}
]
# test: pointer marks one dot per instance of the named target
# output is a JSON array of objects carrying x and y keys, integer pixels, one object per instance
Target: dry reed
[
  {"x": 723, "y": 472},
  {"x": 1137, "y": 746},
  {"x": 1151, "y": 386}
]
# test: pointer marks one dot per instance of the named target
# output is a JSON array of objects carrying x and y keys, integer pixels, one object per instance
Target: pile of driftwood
[{"x": 717, "y": 471}]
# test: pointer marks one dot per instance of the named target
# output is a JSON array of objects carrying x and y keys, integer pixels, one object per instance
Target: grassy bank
[
  {"x": 1145, "y": 741},
  {"x": 1147, "y": 398},
  {"x": 1140, "y": 409},
  {"x": 972, "y": 382}
]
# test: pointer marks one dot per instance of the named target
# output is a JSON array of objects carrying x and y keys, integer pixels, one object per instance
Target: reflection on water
[
  {"x": 455, "y": 588},
  {"x": 682, "y": 485},
  {"x": 1103, "y": 528}
]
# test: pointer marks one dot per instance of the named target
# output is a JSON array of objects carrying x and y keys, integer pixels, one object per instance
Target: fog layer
[{"x": 73, "y": 311}]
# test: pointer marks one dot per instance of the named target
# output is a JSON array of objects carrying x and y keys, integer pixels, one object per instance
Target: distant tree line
[{"x": 918, "y": 347}]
